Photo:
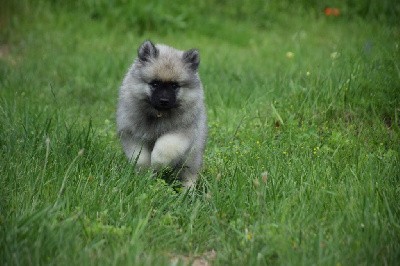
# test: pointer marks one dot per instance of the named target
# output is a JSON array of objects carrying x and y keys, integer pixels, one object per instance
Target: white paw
[
  {"x": 168, "y": 150},
  {"x": 143, "y": 161},
  {"x": 138, "y": 154}
]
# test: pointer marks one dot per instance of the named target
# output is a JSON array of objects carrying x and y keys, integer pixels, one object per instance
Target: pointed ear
[
  {"x": 192, "y": 58},
  {"x": 147, "y": 51}
]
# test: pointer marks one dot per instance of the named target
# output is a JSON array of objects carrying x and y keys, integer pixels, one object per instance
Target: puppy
[{"x": 161, "y": 115}]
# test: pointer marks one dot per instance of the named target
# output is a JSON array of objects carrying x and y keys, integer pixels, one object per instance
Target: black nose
[{"x": 164, "y": 102}]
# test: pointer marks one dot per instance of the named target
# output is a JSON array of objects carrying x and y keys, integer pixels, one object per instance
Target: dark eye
[
  {"x": 175, "y": 86},
  {"x": 155, "y": 84}
]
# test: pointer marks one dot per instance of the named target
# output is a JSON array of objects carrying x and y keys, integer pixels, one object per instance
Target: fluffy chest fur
[{"x": 148, "y": 124}]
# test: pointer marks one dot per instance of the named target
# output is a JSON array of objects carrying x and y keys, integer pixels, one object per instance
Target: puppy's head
[{"x": 169, "y": 77}]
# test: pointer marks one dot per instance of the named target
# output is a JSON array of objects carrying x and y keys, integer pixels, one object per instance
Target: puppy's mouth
[{"x": 163, "y": 104}]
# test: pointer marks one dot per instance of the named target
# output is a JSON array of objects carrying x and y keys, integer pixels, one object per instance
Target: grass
[{"x": 302, "y": 162}]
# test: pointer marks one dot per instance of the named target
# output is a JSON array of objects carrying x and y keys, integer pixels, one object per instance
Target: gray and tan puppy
[{"x": 161, "y": 116}]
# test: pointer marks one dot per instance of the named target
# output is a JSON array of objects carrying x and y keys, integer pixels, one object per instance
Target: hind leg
[{"x": 189, "y": 180}]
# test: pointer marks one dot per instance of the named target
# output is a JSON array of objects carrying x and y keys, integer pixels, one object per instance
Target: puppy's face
[
  {"x": 168, "y": 77},
  {"x": 163, "y": 94}
]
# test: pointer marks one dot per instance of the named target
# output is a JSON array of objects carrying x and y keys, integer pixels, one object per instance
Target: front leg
[
  {"x": 168, "y": 150},
  {"x": 136, "y": 152}
]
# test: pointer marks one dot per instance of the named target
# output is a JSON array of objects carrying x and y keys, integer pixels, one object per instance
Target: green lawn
[{"x": 302, "y": 165}]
